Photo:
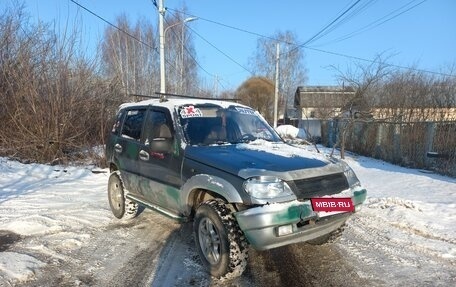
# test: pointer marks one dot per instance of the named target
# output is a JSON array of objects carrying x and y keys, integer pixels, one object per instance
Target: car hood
[{"x": 257, "y": 158}]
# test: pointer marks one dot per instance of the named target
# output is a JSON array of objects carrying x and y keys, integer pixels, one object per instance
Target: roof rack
[{"x": 164, "y": 97}]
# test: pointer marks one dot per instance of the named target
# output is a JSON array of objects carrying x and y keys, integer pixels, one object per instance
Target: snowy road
[{"x": 56, "y": 230}]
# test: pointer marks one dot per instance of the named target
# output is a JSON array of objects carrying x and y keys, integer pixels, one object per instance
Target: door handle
[
  {"x": 118, "y": 148},
  {"x": 143, "y": 155}
]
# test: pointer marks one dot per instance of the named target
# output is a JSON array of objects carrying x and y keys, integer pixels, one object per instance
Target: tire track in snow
[{"x": 395, "y": 254}]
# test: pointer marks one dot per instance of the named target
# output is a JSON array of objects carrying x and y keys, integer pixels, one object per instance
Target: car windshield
[{"x": 211, "y": 124}]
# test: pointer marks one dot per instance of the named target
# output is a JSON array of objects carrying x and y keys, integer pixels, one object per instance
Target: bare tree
[
  {"x": 182, "y": 73},
  {"x": 53, "y": 103},
  {"x": 365, "y": 79},
  {"x": 130, "y": 56},
  {"x": 292, "y": 70}
]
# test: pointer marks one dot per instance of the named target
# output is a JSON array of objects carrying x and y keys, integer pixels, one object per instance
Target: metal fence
[{"x": 426, "y": 145}]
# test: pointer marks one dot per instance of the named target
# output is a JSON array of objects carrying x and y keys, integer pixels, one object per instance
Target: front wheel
[{"x": 220, "y": 242}]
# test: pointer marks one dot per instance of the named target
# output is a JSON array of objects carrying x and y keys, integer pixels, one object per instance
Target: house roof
[{"x": 314, "y": 92}]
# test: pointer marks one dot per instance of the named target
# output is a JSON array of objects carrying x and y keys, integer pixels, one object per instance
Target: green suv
[{"x": 220, "y": 165}]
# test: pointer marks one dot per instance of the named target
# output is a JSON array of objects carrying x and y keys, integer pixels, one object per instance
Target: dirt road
[{"x": 156, "y": 251}]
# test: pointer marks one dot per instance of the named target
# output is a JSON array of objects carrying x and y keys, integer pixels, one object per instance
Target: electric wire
[
  {"x": 297, "y": 46},
  {"x": 311, "y": 39},
  {"x": 376, "y": 23},
  {"x": 190, "y": 55},
  {"x": 352, "y": 14},
  {"x": 222, "y": 24},
  {"x": 188, "y": 52},
  {"x": 114, "y": 26},
  {"x": 379, "y": 62},
  {"x": 127, "y": 33}
]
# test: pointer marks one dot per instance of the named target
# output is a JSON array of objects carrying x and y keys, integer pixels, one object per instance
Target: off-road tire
[
  {"x": 216, "y": 230},
  {"x": 121, "y": 207}
]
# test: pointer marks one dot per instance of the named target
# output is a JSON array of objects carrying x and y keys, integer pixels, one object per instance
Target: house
[{"x": 322, "y": 101}]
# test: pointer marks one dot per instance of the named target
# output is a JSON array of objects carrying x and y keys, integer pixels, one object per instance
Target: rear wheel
[
  {"x": 220, "y": 242},
  {"x": 120, "y": 206}
]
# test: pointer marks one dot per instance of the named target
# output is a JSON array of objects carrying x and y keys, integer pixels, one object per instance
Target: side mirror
[{"x": 161, "y": 145}]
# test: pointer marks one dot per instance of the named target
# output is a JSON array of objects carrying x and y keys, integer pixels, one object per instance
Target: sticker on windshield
[
  {"x": 245, "y": 111},
  {"x": 190, "y": 112}
]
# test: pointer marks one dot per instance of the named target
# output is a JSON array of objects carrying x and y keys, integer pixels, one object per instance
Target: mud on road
[{"x": 155, "y": 251}]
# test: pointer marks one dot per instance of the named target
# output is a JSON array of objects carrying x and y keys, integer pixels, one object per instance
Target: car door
[
  {"x": 160, "y": 168},
  {"x": 127, "y": 147}
]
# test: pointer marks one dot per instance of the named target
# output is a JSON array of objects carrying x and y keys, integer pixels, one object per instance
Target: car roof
[{"x": 172, "y": 103}]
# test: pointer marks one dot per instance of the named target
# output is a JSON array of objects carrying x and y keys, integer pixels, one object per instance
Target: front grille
[{"x": 320, "y": 186}]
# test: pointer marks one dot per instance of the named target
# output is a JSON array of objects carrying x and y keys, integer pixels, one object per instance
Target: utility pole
[
  {"x": 276, "y": 92},
  {"x": 161, "y": 16}
]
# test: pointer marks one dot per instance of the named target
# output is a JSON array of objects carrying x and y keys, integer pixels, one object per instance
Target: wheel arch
[
  {"x": 203, "y": 187},
  {"x": 113, "y": 167}
]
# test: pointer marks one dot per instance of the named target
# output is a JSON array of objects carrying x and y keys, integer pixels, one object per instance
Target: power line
[
  {"x": 377, "y": 62},
  {"x": 137, "y": 39},
  {"x": 125, "y": 32},
  {"x": 191, "y": 56},
  {"x": 298, "y": 46},
  {"x": 189, "y": 53},
  {"x": 114, "y": 26},
  {"x": 212, "y": 45},
  {"x": 267, "y": 37},
  {"x": 378, "y": 22},
  {"x": 349, "y": 16},
  {"x": 223, "y": 25},
  {"x": 221, "y": 52},
  {"x": 329, "y": 25}
]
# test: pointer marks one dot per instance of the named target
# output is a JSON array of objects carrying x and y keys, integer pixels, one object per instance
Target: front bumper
[{"x": 261, "y": 224}]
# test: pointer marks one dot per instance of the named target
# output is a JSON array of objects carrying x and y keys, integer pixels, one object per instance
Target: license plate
[{"x": 325, "y": 206}]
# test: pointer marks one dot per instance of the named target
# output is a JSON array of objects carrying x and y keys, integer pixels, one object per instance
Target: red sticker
[
  {"x": 330, "y": 204},
  {"x": 190, "y": 112}
]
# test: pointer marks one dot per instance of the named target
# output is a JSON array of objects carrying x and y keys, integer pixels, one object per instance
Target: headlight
[
  {"x": 264, "y": 187},
  {"x": 351, "y": 176}
]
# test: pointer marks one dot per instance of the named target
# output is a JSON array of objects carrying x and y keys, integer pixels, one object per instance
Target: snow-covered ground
[
  {"x": 404, "y": 235},
  {"x": 56, "y": 207},
  {"x": 406, "y": 231}
]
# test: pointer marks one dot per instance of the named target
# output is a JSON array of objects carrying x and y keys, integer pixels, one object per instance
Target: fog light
[{"x": 284, "y": 230}]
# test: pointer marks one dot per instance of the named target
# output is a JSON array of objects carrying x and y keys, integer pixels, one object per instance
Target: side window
[
  {"x": 157, "y": 126},
  {"x": 117, "y": 123},
  {"x": 133, "y": 124}
]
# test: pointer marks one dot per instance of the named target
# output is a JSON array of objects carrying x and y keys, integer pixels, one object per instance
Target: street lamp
[
  {"x": 162, "y": 61},
  {"x": 182, "y": 53}
]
